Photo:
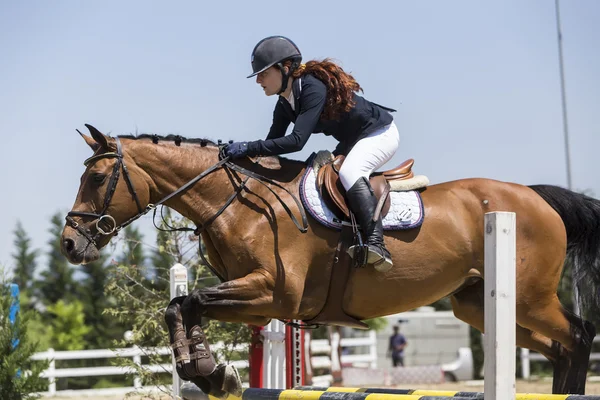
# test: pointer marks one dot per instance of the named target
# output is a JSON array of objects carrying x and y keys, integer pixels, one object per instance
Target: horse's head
[{"x": 113, "y": 190}]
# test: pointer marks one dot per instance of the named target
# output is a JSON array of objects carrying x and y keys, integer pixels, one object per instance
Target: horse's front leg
[{"x": 243, "y": 300}]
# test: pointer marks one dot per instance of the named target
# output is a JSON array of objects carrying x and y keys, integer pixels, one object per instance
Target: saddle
[{"x": 332, "y": 191}]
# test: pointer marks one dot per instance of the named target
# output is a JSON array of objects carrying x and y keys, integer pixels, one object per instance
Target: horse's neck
[{"x": 169, "y": 167}]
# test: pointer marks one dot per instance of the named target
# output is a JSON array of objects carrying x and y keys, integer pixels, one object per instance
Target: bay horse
[{"x": 272, "y": 269}]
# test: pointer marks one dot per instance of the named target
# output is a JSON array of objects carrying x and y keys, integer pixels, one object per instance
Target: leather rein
[{"x": 106, "y": 225}]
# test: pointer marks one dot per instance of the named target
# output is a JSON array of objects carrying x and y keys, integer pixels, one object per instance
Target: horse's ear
[
  {"x": 90, "y": 142},
  {"x": 98, "y": 137}
]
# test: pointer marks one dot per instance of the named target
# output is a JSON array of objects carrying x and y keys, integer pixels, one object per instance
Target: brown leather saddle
[{"x": 332, "y": 191}]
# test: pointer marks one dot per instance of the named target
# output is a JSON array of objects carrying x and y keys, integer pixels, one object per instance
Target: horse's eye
[{"x": 98, "y": 178}]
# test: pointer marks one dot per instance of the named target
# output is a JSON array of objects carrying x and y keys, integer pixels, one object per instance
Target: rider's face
[{"x": 270, "y": 80}]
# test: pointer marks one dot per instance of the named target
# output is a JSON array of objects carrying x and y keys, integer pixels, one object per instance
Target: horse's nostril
[{"x": 68, "y": 245}]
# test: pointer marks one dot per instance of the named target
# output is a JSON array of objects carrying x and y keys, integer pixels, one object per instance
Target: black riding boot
[{"x": 362, "y": 202}]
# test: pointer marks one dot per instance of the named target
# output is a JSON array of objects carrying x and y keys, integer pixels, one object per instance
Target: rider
[{"x": 320, "y": 97}]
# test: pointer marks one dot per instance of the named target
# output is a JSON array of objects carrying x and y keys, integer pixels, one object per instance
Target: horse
[{"x": 274, "y": 267}]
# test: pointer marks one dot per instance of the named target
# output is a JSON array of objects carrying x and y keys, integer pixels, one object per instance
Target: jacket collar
[{"x": 296, "y": 91}]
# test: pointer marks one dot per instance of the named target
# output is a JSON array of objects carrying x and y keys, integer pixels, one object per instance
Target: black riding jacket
[{"x": 309, "y": 99}]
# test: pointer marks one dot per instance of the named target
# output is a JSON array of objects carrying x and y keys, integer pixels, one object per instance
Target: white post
[
  {"x": 500, "y": 306},
  {"x": 137, "y": 381},
  {"x": 179, "y": 287},
  {"x": 373, "y": 348},
  {"x": 295, "y": 374},
  {"x": 525, "y": 367},
  {"x": 336, "y": 357},
  {"x": 274, "y": 368},
  {"x": 307, "y": 357},
  {"x": 51, "y": 372}
]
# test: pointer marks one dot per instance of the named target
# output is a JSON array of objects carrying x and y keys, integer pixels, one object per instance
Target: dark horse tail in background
[
  {"x": 270, "y": 269},
  {"x": 581, "y": 217}
]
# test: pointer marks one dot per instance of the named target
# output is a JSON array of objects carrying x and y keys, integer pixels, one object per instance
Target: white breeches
[{"x": 369, "y": 153}]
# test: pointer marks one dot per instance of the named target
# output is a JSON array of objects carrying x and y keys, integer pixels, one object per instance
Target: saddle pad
[{"x": 406, "y": 208}]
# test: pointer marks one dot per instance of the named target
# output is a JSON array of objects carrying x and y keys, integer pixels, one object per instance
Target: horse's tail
[{"x": 581, "y": 216}]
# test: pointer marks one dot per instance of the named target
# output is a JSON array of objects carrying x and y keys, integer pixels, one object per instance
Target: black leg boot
[{"x": 362, "y": 203}]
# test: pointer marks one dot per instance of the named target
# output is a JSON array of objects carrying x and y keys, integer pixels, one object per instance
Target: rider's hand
[{"x": 236, "y": 150}]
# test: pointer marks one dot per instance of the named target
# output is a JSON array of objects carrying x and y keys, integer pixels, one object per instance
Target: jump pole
[
  {"x": 276, "y": 357},
  {"x": 178, "y": 278},
  {"x": 500, "y": 307}
]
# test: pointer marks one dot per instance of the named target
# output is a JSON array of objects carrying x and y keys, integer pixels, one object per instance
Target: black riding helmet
[{"x": 274, "y": 50}]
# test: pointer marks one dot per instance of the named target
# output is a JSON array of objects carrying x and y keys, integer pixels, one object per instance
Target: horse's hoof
[
  {"x": 224, "y": 380},
  {"x": 232, "y": 382},
  {"x": 190, "y": 391},
  {"x": 219, "y": 394}
]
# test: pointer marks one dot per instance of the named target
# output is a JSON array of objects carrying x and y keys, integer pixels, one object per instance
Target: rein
[{"x": 104, "y": 218}]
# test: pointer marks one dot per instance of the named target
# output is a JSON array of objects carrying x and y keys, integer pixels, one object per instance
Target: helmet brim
[{"x": 262, "y": 70}]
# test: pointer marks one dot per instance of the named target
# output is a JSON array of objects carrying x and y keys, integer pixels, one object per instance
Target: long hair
[{"x": 340, "y": 86}]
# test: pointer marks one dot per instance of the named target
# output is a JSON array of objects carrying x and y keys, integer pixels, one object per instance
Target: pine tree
[
  {"x": 133, "y": 257},
  {"x": 142, "y": 295},
  {"x": 180, "y": 247},
  {"x": 133, "y": 242},
  {"x": 68, "y": 328},
  {"x": 162, "y": 258},
  {"x": 57, "y": 280},
  {"x": 16, "y": 349},
  {"x": 25, "y": 263},
  {"x": 95, "y": 301},
  {"x": 67, "y": 331}
]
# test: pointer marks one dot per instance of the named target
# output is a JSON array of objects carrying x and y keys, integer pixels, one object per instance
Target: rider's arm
[
  {"x": 280, "y": 122},
  {"x": 312, "y": 103}
]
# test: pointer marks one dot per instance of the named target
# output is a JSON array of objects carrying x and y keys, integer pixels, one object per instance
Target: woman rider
[{"x": 319, "y": 97}]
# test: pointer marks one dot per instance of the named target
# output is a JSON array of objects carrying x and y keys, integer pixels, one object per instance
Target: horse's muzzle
[{"x": 77, "y": 248}]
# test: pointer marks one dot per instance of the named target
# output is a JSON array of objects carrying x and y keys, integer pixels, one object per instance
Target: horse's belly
[
  {"x": 429, "y": 263},
  {"x": 371, "y": 295}
]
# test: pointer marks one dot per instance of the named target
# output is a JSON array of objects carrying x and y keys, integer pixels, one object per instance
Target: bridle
[{"x": 103, "y": 217}]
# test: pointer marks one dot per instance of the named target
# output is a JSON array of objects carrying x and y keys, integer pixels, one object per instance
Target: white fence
[
  {"x": 327, "y": 360},
  {"x": 368, "y": 360},
  {"x": 136, "y": 354}
]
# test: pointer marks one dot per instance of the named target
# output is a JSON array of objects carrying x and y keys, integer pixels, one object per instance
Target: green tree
[
  {"x": 16, "y": 349},
  {"x": 39, "y": 329},
  {"x": 134, "y": 250},
  {"x": 68, "y": 329},
  {"x": 95, "y": 301},
  {"x": 25, "y": 263},
  {"x": 57, "y": 280},
  {"x": 141, "y": 295},
  {"x": 162, "y": 258},
  {"x": 376, "y": 324}
]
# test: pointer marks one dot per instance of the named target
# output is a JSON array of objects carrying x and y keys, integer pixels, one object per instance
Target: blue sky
[{"x": 476, "y": 85}]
